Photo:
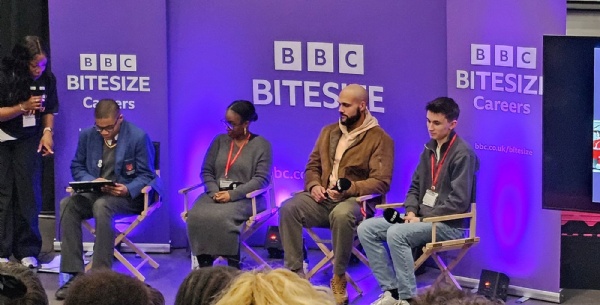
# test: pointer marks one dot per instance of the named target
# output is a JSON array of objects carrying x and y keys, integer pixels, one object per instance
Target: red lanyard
[
  {"x": 436, "y": 173},
  {"x": 229, "y": 161}
]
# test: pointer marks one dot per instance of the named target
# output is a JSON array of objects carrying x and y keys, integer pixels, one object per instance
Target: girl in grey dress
[{"x": 236, "y": 163}]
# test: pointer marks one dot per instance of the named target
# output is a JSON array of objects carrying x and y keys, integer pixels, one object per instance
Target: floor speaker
[{"x": 493, "y": 285}]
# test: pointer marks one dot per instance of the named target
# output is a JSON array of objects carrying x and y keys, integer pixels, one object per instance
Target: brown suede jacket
[{"x": 368, "y": 162}]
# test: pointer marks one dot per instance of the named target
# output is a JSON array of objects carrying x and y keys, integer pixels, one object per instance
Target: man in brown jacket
[{"x": 356, "y": 148}]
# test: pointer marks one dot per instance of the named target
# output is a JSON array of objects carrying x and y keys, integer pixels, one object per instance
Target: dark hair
[
  {"x": 35, "y": 295},
  {"x": 107, "y": 108},
  {"x": 245, "y": 109},
  {"x": 446, "y": 106},
  {"x": 450, "y": 295},
  {"x": 106, "y": 287},
  {"x": 202, "y": 285},
  {"x": 22, "y": 53},
  {"x": 16, "y": 66},
  {"x": 156, "y": 297}
]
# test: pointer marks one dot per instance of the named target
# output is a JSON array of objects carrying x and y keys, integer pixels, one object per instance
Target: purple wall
[
  {"x": 111, "y": 31},
  {"x": 217, "y": 49},
  {"x": 504, "y": 122},
  {"x": 405, "y": 52}
]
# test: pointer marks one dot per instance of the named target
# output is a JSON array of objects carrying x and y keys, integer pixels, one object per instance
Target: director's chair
[
  {"x": 255, "y": 222},
  {"x": 124, "y": 225},
  {"x": 434, "y": 248},
  {"x": 325, "y": 262}
]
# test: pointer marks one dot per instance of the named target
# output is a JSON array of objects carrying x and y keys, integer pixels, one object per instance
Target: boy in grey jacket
[{"x": 442, "y": 184}]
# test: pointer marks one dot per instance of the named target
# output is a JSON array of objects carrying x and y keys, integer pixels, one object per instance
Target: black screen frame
[{"x": 568, "y": 113}]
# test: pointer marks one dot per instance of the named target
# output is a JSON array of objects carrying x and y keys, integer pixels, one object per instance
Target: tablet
[{"x": 89, "y": 186}]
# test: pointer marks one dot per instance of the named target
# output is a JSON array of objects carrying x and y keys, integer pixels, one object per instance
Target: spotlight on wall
[
  {"x": 273, "y": 242},
  {"x": 493, "y": 285}
]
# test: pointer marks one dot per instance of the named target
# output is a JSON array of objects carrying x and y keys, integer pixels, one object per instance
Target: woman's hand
[
  {"x": 46, "y": 144},
  {"x": 222, "y": 197},
  {"x": 32, "y": 104}
]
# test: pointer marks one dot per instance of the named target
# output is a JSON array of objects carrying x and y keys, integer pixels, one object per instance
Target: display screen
[{"x": 571, "y": 123}]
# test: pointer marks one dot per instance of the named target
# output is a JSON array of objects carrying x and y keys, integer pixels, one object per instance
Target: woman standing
[
  {"x": 28, "y": 102},
  {"x": 236, "y": 163}
]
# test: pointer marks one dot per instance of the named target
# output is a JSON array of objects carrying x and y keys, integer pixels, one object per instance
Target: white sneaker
[
  {"x": 3, "y": 260},
  {"x": 29, "y": 262},
  {"x": 387, "y": 299},
  {"x": 305, "y": 267}
]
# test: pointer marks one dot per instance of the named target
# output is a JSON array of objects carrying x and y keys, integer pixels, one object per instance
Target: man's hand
[
  {"x": 411, "y": 218},
  {"x": 119, "y": 190},
  {"x": 335, "y": 195},
  {"x": 46, "y": 144},
  {"x": 318, "y": 193},
  {"x": 222, "y": 197}
]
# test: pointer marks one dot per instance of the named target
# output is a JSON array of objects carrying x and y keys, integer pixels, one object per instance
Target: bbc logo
[
  {"x": 503, "y": 56},
  {"x": 108, "y": 62},
  {"x": 319, "y": 56}
]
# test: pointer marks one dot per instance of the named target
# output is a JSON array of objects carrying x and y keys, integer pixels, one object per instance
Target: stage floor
[{"x": 174, "y": 267}]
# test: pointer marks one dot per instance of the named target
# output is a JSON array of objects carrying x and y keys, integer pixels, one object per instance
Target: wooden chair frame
[
  {"x": 130, "y": 223},
  {"x": 255, "y": 222},
  {"x": 326, "y": 262},
  {"x": 434, "y": 248}
]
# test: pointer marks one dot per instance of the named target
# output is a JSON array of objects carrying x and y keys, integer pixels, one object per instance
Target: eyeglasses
[
  {"x": 229, "y": 125},
  {"x": 108, "y": 128}
]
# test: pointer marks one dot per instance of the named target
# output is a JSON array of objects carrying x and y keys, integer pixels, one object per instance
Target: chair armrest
[
  {"x": 389, "y": 205},
  {"x": 147, "y": 189},
  {"x": 258, "y": 192},
  {"x": 447, "y": 217},
  {"x": 186, "y": 190},
  {"x": 367, "y": 197}
]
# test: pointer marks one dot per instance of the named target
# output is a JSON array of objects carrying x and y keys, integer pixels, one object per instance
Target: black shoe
[{"x": 62, "y": 292}]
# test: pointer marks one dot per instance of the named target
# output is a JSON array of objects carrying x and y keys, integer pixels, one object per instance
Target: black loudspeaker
[
  {"x": 273, "y": 242},
  {"x": 493, "y": 285}
]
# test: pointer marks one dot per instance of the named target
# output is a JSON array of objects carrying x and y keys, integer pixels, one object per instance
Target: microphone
[
  {"x": 392, "y": 216},
  {"x": 341, "y": 185}
]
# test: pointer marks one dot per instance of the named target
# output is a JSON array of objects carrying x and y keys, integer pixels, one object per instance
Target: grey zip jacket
[{"x": 455, "y": 184}]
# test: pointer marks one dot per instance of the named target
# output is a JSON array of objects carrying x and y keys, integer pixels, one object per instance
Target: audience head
[
  {"x": 108, "y": 117},
  {"x": 29, "y": 57},
  {"x": 353, "y": 100},
  {"x": 238, "y": 117},
  {"x": 202, "y": 285},
  {"x": 156, "y": 297},
  {"x": 107, "y": 287},
  {"x": 442, "y": 114},
  {"x": 450, "y": 295},
  {"x": 35, "y": 294},
  {"x": 277, "y": 286}
]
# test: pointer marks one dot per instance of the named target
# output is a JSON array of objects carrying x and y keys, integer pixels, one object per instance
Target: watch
[{"x": 49, "y": 129}]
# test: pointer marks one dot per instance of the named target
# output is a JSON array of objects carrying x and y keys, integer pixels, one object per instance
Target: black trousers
[{"x": 20, "y": 198}]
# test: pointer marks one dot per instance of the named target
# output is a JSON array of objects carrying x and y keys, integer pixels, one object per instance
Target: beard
[{"x": 350, "y": 120}]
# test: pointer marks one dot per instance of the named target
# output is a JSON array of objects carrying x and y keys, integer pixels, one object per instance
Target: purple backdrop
[
  {"x": 119, "y": 47},
  {"x": 219, "y": 57},
  {"x": 495, "y": 70},
  {"x": 292, "y": 59}
]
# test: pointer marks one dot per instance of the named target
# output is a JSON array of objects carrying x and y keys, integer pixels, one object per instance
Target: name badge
[
  {"x": 429, "y": 198},
  {"x": 29, "y": 120},
  {"x": 225, "y": 184}
]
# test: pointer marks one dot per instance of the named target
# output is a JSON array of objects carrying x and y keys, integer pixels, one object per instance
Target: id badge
[
  {"x": 225, "y": 184},
  {"x": 29, "y": 120},
  {"x": 429, "y": 198}
]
